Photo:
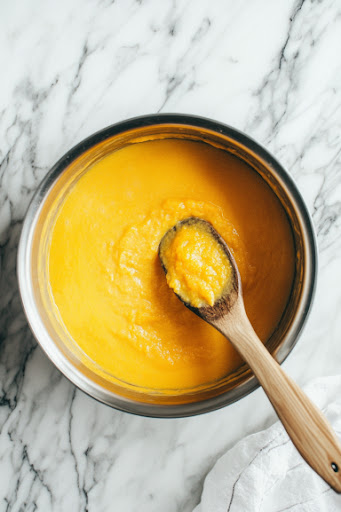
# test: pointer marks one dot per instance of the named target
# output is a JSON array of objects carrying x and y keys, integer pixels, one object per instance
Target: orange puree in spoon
[
  {"x": 197, "y": 267},
  {"x": 105, "y": 274}
]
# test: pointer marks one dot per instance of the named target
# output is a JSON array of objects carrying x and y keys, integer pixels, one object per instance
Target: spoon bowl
[{"x": 231, "y": 292}]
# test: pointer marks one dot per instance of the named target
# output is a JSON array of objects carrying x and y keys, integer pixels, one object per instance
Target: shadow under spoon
[{"x": 307, "y": 427}]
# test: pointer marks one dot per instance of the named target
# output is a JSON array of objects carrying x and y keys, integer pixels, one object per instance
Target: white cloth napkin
[{"x": 265, "y": 473}]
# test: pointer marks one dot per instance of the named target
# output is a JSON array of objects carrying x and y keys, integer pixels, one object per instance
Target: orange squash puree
[
  {"x": 106, "y": 278},
  {"x": 198, "y": 269}
]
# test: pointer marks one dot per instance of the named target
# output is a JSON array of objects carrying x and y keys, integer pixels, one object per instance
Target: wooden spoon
[{"x": 307, "y": 427}]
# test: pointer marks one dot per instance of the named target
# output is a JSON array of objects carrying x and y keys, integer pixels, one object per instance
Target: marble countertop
[{"x": 271, "y": 69}]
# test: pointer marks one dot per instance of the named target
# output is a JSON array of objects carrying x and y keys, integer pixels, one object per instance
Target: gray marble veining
[{"x": 271, "y": 69}]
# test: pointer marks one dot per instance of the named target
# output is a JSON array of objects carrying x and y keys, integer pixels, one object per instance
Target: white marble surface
[{"x": 68, "y": 68}]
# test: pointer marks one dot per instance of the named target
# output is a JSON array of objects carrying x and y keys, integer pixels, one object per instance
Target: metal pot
[{"x": 33, "y": 277}]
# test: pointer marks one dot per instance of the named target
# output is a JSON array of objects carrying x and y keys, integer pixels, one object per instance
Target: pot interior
[{"x": 54, "y": 337}]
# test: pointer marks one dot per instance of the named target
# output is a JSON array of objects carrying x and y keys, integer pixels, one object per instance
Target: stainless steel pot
[{"x": 32, "y": 263}]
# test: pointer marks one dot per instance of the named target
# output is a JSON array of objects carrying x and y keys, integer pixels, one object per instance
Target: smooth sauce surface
[
  {"x": 198, "y": 269},
  {"x": 107, "y": 280}
]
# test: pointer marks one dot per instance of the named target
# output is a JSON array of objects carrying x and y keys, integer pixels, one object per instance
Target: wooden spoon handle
[{"x": 307, "y": 427}]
